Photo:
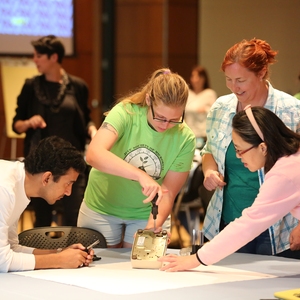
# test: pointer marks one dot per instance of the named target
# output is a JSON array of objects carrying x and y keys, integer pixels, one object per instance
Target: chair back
[{"x": 60, "y": 237}]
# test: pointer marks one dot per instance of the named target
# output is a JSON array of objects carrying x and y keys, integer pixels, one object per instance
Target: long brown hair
[{"x": 163, "y": 86}]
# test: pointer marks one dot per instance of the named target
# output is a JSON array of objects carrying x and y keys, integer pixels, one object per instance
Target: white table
[{"x": 287, "y": 272}]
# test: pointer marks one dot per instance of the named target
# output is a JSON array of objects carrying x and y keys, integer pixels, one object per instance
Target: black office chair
[
  {"x": 192, "y": 198},
  {"x": 186, "y": 208},
  {"x": 60, "y": 237}
]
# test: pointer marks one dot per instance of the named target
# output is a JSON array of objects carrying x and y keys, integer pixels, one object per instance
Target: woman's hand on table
[{"x": 174, "y": 263}]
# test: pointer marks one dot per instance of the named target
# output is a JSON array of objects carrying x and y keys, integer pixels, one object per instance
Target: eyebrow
[
  {"x": 71, "y": 182},
  {"x": 238, "y": 78}
]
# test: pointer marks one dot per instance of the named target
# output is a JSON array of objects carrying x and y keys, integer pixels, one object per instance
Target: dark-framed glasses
[
  {"x": 241, "y": 152},
  {"x": 180, "y": 121}
]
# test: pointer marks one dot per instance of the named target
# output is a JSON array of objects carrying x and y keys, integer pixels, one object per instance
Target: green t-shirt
[
  {"x": 241, "y": 187},
  {"x": 297, "y": 96},
  {"x": 138, "y": 144}
]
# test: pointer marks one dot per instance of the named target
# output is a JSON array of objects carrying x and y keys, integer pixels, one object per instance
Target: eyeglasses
[
  {"x": 180, "y": 121},
  {"x": 241, "y": 152}
]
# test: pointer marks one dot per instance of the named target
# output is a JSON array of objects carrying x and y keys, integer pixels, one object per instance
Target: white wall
[{"x": 226, "y": 22}]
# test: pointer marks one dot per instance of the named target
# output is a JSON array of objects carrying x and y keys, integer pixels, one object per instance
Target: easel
[{"x": 13, "y": 73}]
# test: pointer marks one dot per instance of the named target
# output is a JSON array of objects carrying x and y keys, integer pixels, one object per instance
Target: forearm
[
  {"x": 49, "y": 261},
  {"x": 208, "y": 163},
  {"x": 100, "y": 157},
  {"x": 44, "y": 251},
  {"x": 22, "y": 126},
  {"x": 107, "y": 162},
  {"x": 69, "y": 258},
  {"x": 34, "y": 122}
]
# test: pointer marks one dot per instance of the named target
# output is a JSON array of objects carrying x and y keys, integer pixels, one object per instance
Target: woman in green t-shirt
[{"x": 143, "y": 148}]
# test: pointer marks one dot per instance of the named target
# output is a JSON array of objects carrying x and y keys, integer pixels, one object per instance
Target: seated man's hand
[{"x": 79, "y": 255}]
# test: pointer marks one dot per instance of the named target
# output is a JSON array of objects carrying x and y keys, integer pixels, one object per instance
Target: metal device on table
[{"x": 148, "y": 246}]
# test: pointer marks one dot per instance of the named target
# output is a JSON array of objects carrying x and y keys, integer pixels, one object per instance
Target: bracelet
[
  {"x": 59, "y": 250},
  {"x": 200, "y": 261}
]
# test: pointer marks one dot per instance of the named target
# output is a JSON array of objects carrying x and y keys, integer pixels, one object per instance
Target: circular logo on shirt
[{"x": 146, "y": 160}]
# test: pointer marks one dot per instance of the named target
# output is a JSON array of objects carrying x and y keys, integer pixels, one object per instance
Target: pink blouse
[{"x": 279, "y": 195}]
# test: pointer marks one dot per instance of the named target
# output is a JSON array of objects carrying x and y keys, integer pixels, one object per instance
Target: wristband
[{"x": 200, "y": 261}]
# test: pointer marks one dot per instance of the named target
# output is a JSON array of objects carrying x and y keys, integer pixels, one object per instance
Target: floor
[{"x": 27, "y": 221}]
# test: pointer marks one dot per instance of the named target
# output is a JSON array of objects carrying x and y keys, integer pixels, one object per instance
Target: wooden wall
[
  {"x": 151, "y": 34},
  {"x": 226, "y": 22}
]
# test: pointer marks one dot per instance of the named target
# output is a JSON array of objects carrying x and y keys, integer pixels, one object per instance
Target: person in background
[
  {"x": 54, "y": 103},
  {"x": 246, "y": 68},
  {"x": 298, "y": 94},
  {"x": 201, "y": 98},
  {"x": 48, "y": 172},
  {"x": 142, "y": 149},
  {"x": 276, "y": 149}
]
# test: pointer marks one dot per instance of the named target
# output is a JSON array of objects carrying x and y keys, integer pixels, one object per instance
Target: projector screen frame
[{"x": 14, "y": 42}]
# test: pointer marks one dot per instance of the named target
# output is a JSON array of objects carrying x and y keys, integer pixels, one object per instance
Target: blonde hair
[{"x": 163, "y": 86}]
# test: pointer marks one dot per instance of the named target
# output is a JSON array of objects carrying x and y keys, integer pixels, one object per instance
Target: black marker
[{"x": 88, "y": 248}]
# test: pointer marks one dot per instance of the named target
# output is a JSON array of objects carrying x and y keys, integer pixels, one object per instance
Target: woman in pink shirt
[{"x": 261, "y": 140}]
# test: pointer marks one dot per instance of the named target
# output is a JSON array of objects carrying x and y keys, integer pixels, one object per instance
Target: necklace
[{"x": 39, "y": 85}]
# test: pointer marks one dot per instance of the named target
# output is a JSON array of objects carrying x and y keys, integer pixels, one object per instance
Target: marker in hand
[{"x": 88, "y": 248}]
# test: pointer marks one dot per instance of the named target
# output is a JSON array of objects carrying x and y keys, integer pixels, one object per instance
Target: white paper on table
[{"x": 121, "y": 278}]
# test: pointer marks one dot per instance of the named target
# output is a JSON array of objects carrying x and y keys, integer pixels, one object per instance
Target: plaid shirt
[{"x": 219, "y": 128}]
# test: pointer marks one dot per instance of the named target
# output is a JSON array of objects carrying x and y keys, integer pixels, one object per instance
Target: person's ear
[
  {"x": 262, "y": 74},
  {"x": 147, "y": 99},
  {"x": 263, "y": 148},
  {"x": 46, "y": 177},
  {"x": 54, "y": 57}
]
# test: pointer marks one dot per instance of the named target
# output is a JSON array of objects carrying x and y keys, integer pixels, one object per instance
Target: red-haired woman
[{"x": 246, "y": 69}]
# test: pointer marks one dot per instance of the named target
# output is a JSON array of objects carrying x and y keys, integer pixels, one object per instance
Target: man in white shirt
[{"x": 49, "y": 172}]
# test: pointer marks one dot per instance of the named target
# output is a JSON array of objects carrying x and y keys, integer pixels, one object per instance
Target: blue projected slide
[{"x": 22, "y": 21}]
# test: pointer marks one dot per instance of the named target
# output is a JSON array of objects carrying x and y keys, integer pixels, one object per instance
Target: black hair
[
  {"x": 49, "y": 45},
  {"x": 55, "y": 155},
  {"x": 279, "y": 139}
]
